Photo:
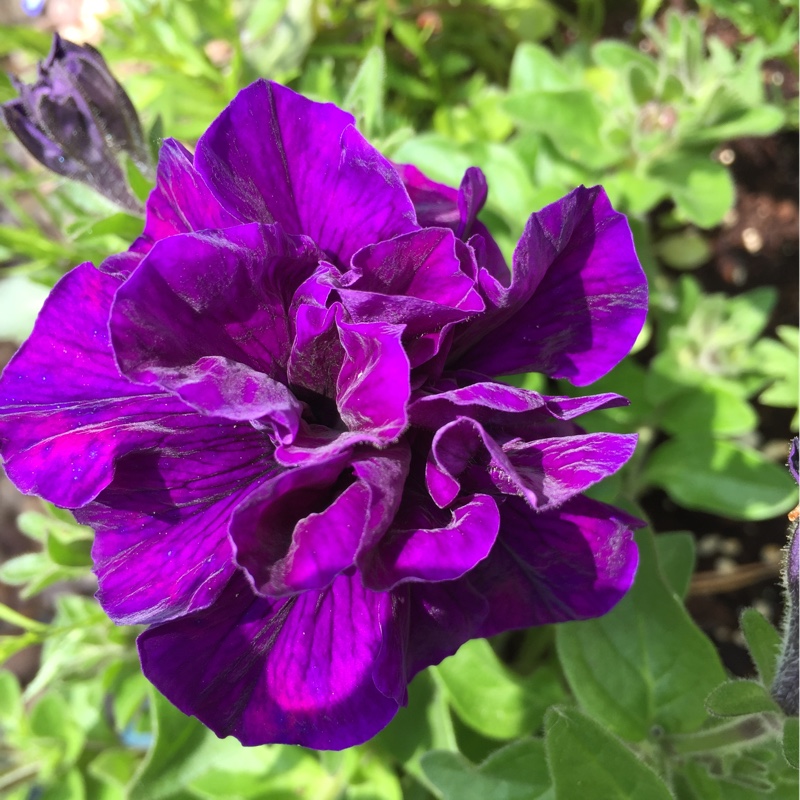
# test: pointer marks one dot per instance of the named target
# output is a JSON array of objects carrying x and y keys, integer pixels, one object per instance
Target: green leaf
[
  {"x": 23, "y": 569},
  {"x": 51, "y": 719},
  {"x": 637, "y": 194},
  {"x": 274, "y": 772},
  {"x": 128, "y": 690},
  {"x": 791, "y": 741},
  {"x": 374, "y": 780},
  {"x": 123, "y": 225},
  {"x": 748, "y": 313},
  {"x": 364, "y": 99},
  {"x": 29, "y": 243},
  {"x": 114, "y": 765},
  {"x": 571, "y": 119},
  {"x": 618, "y": 55},
  {"x": 16, "y": 37},
  {"x": 178, "y": 754},
  {"x": 676, "y": 558},
  {"x": 694, "y": 782},
  {"x": 736, "y": 698},
  {"x": 75, "y": 553},
  {"x": 685, "y": 250},
  {"x": 11, "y": 708},
  {"x": 516, "y": 772},
  {"x": 587, "y": 761},
  {"x": 534, "y": 68},
  {"x": 40, "y": 526},
  {"x": 643, "y": 664},
  {"x": 34, "y": 525},
  {"x": 779, "y": 361},
  {"x": 424, "y": 724},
  {"x": 763, "y": 642},
  {"x": 761, "y": 121},
  {"x": 21, "y": 299},
  {"x": 70, "y": 787},
  {"x": 705, "y": 409},
  {"x": 493, "y": 700},
  {"x": 436, "y": 156},
  {"x": 701, "y": 188},
  {"x": 720, "y": 477}
]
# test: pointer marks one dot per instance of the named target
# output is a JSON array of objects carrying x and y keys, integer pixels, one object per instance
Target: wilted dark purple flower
[
  {"x": 76, "y": 119},
  {"x": 278, "y": 411}
]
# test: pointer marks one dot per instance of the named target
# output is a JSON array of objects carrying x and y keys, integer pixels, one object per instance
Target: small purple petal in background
[
  {"x": 33, "y": 7},
  {"x": 786, "y": 686},
  {"x": 794, "y": 458}
]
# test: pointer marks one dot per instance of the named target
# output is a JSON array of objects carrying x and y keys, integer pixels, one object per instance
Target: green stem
[
  {"x": 18, "y": 775},
  {"x": 20, "y": 621},
  {"x": 739, "y": 734},
  {"x": 635, "y": 467}
]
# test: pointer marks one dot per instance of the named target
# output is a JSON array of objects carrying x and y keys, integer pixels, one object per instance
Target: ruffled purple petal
[
  {"x": 577, "y": 300},
  {"x": 274, "y": 156},
  {"x": 519, "y": 412},
  {"x": 301, "y": 528},
  {"x": 438, "y": 205},
  {"x": 551, "y": 471},
  {"x": 573, "y": 563},
  {"x": 297, "y": 670},
  {"x": 430, "y": 621},
  {"x": 422, "y": 548},
  {"x": 354, "y": 375},
  {"x": 316, "y": 354},
  {"x": 161, "y": 547},
  {"x": 66, "y": 412},
  {"x": 306, "y": 526},
  {"x": 205, "y": 316},
  {"x": 435, "y": 203},
  {"x": 373, "y": 385},
  {"x": 422, "y": 265},
  {"x": 181, "y": 202},
  {"x": 465, "y": 458}
]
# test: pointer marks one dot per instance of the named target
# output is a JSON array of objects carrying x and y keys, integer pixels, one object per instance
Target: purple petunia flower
[{"x": 278, "y": 411}]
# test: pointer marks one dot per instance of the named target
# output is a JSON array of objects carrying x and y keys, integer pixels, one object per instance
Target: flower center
[{"x": 319, "y": 409}]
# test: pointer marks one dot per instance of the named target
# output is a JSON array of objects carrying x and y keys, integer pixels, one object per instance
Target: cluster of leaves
[{"x": 635, "y": 704}]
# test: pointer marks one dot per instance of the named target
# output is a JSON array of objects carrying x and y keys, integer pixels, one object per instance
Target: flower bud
[
  {"x": 785, "y": 688},
  {"x": 76, "y": 120}
]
